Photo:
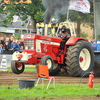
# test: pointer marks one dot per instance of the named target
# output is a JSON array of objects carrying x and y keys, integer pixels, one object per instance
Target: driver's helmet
[{"x": 63, "y": 27}]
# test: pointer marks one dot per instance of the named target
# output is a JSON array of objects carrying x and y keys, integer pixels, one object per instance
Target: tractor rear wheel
[
  {"x": 56, "y": 69},
  {"x": 17, "y": 68},
  {"x": 47, "y": 60},
  {"x": 80, "y": 59}
]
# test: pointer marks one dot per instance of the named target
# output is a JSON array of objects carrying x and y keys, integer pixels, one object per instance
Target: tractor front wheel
[
  {"x": 47, "y": 60},
  {"x": 54, "y": 71},
  {"x": 17, "y": 68},
  {"x": 80, "y": 59},
  {"x": 36, "y": 67}
]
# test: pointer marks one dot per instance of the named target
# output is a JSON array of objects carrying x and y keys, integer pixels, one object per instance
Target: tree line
[{"x": 36, "y": 10}]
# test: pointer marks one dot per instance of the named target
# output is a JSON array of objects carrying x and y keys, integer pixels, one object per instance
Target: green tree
[
  {"x": 35, "y": 10},
  {"x": 18, "y": 36},
  {"x": 79, "y": 18},
  {"x": 83, "y": 35}
]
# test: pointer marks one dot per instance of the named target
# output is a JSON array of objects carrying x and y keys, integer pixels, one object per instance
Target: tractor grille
[{"x": 29, "y": 44}]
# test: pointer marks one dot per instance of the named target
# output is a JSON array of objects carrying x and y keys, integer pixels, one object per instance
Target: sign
[{"x": 3, "y": 63}]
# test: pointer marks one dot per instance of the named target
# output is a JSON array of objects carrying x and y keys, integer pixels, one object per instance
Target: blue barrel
[
  {"x": 97, "y": 57},
  {"x": 94, "y": 46}
]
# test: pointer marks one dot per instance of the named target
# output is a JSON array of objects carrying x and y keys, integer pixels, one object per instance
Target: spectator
[
  {"x": 7, "y": 48},
  {"x": 21, "y": 50},
  {"x": 1, "y": 50},
  {"x": 90, "y": 40},
  {"x": 22, "y": 44},
  {"x": 11, "y": 39},
  {"x": 93, "y": 41},
  {"x": 15, "y": 46},
  {"x": 2, "y": 40},
  {"x": 16, "y": 40},
  {"x": 8, "y": 40}
]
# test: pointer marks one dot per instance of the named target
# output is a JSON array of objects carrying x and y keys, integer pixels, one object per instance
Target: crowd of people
[{"x": 10, "y": 45}]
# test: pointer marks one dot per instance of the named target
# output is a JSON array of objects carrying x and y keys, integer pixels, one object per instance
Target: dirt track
[
  {"x": 11, "y": 78},
  {"x": 8, "y": 78}
]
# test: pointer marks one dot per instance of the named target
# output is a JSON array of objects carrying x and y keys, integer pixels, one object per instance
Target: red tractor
[{"x": 78, "y": 57}]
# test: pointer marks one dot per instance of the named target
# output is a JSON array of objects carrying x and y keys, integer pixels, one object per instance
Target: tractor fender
[{"x": 73, "y": 40}]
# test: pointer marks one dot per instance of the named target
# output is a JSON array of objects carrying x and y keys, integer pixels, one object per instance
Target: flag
[{"x": 80, "y": 5}]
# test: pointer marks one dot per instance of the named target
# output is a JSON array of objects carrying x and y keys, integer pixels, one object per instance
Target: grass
[
  {"x": 61, "y": 90},
  {"x": 26, "y": 70}
]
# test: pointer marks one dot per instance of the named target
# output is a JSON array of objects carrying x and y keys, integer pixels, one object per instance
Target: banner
[{"x": 80, "y": 5}]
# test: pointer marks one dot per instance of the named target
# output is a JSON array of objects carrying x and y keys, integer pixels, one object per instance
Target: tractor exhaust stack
[{"x": 46, "y": 29}]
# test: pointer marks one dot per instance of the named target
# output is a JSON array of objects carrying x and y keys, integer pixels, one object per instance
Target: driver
[{"x": 65, "y": 35}]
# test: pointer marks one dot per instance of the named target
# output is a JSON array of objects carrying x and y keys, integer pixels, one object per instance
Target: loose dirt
[{"x": 9, "y": 78}]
